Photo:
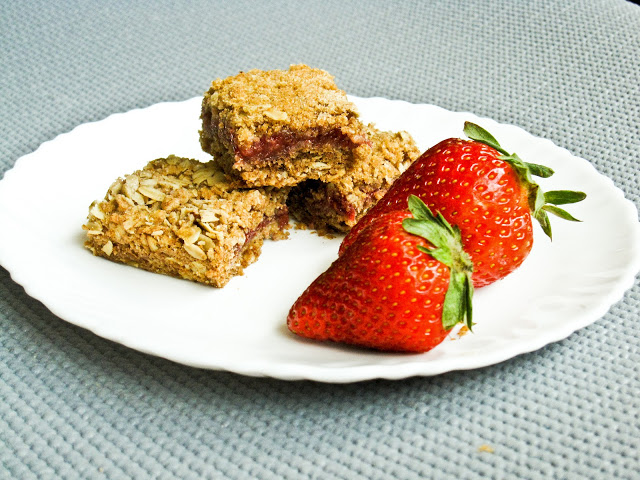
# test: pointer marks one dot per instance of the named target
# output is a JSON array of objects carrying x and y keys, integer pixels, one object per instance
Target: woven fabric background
[{"x": 73, "y": 405}]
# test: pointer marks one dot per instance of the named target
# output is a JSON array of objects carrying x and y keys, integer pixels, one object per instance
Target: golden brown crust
[
  {"x": 340, "y": 203},
  {"x": 271, "y": 127},
  {"x": 187, "y": 219}
]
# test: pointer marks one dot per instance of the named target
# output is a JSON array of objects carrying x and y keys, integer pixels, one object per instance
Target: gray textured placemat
[{"x": 73, "y": 405}]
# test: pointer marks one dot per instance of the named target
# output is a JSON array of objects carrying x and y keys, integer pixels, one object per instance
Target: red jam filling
[{"x": 285, "y": 143}]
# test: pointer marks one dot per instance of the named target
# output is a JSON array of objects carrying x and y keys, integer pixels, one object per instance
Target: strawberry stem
[
  {"x": 539, "y": 201},
  {"x": 446, "y": 248}
]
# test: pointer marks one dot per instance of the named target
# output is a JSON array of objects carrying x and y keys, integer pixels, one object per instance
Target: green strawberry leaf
[
  {"x": 454, "y": 307},
  {"x": 479, "y": 134},
  {"x": 536, "y": 199},
  {"x": 560, "y": 213},
  {"x": 562, "y": 197},
  {"x": 543, "y": 219},
  {"x": 443, "y": 255},
  {"x": 447, "y": 249},
  {"x": 539, "y": 170},
  {"x": 425, "y": 228},
  {"x": 419, "y": 209},
  {"x": 468, "y": 287}
]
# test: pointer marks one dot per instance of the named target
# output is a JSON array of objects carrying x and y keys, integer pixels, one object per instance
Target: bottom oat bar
[
  {"x": 339, "y": 204},
  {"x": 187, "y": 219}
]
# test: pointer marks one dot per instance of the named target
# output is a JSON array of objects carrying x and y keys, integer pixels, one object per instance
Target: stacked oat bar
[
  {"x": 296, "y": 128},
  {"x": 282, "y": 141}
]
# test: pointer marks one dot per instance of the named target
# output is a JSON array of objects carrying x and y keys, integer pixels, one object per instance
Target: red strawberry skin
[
  {"x": 382, "y": 293},
  {"x": 472, "y": 188}
]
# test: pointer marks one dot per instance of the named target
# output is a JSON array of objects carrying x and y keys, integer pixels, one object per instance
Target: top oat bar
[{"x": 280, "y": 127}]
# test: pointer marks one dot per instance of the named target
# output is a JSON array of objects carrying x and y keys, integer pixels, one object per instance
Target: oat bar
[
  {"x": 338, "y": 205},
  {"x": 280, "y": 127},
  {"x": 187, "y": 219}
]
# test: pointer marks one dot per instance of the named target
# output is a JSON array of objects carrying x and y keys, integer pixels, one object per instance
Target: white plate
[{"x": 562, "y": 286}]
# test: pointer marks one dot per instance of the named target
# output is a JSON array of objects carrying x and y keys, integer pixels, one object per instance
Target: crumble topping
[
  {"x": 185, "y": 218},
  {"x": 257, "y": 104}
]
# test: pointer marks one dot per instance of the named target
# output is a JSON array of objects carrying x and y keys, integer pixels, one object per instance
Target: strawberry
[
  {"x": 401, "y": 286},
  {"x": 487, "y": 192}
]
